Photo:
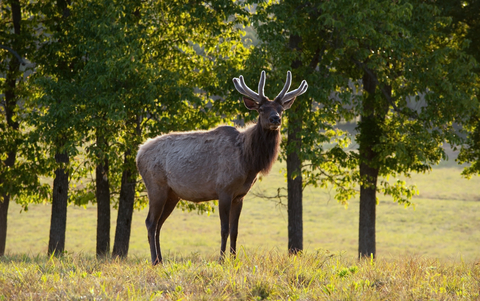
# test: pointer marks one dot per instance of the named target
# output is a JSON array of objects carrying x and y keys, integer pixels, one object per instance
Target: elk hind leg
[
  {"x": 167, "y": 210},
  {"x": 224, "y": 204},
  {"x": 157, "y": 199}
]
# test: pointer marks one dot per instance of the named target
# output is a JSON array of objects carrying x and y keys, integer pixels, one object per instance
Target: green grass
[
  {"x": 252, "y": 276},
  {"x": 444, "y": 224}
]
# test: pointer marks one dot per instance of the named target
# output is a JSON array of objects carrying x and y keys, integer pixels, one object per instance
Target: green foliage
[
  {"x": 470, "y": 152},
  {"x": 422, "y": 74},
  {"x": 19, "y": 152},
  {"x": 205, "y": 207},
  {"x": 129, "y": 70},
  {"x": 276, "y": 24},
  {"x": 465, "y": 24}
]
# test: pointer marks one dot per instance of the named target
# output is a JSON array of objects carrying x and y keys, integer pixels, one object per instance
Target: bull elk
[{"x": 220, "y": 164}]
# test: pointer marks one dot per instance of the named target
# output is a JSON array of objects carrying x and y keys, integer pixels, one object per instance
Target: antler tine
[
  {"x": 292, "y": 94},
  {"x": 248, "y": 92},
  {"x": 261, "y": 85},
  {"x": 288, "y": 82},
  {"x": 236, "y": 83},
  {"x": 240, "y": 86}
]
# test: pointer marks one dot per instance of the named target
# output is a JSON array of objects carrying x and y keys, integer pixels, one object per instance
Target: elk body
[{"x": 221, "y": 164}]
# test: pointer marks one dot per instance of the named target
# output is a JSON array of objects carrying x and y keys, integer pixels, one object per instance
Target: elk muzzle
[{"x": 275, "y": 121}]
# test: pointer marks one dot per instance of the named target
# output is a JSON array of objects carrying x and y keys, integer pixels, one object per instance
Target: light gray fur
[{"x": 198, "y": 166}]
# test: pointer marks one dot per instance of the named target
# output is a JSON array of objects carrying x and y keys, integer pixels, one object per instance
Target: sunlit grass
[
  {"x": 427, "y": 252},
  {"x": 253, "y": 275}
]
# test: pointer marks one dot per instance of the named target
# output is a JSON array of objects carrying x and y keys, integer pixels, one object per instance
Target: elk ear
[
  {"x": 286, "y": 105},
  {"x": 250, "y": 104}
]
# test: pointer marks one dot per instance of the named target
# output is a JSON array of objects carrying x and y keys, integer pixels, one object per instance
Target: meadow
[
  {"x": 443, "y": 223},
  {"x": 252, "y": 276},
  {"x": 428, "y": 251}
]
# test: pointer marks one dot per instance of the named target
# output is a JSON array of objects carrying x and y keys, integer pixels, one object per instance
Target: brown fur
[{"x": 261, "y": 148}]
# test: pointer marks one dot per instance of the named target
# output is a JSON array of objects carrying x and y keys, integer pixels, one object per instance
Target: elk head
[{"x": 270, "y": 112}]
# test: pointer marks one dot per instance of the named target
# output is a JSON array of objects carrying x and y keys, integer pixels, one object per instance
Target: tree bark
[
  {"x": 125, "y": 207},
  {"x": 368, "y": 205},
  {"x": 103, "y": 202},
  {"x": 5, "y": 198},
  {"x": 3, "y": 222},
  {"x": 10, "y": 104},
  {"x": 294, "y": 185},
  {"x": 294, "y": 167},
  {"x": 58, "y": 221},
  {"x": 368, "y": 138}
]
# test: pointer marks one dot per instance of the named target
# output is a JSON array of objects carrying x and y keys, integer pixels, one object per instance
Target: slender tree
[
  {"x": 294, "y": 166},
  {"x": 9, "y": 107},
  {"x": 284, "y": 46},
  {"x": 58, "y": 221},
  {"x": 17, "y": 40},
  {"x": 51, "y": 119},
  {"x": 125, "y": 206},
  {"x": 10, "y": 104},
  {"x": 405, "y": 61}
]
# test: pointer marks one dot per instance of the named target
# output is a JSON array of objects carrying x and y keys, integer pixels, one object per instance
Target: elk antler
[
  {"x": 245, "y": 90},
  {"x": 284, "y": 98}
]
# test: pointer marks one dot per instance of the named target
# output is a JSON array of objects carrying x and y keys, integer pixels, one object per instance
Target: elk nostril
[{"x": 275, "y": 119}]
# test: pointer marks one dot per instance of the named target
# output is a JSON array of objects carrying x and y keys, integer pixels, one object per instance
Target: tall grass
[
  {"x": 261, "y": 275},
  {"x": 429, "y": 252}
]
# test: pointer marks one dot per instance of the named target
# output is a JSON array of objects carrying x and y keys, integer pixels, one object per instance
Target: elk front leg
[
  {"x": 235, "y": 211},
  {"x": 151, "y": 222},
  {"x": 224, "y": 211}
]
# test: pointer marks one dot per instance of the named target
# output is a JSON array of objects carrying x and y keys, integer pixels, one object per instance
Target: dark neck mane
[{"x": 260, "y": 148}]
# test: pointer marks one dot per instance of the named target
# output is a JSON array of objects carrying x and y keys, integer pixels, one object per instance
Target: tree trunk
[
  {"x": 368, "y": 205},
  {"x": 58, "y": 221},
  {"x": 5, "y": 198},
  {"x": 294, "y": 167},
  {"x": 103, "y": 202},
  {"x": 10, "y": 105},
  {"x": 3, "y": 222},
  {"x": 9, "y": 163},
  {"x": 294, "y": 182},
  {"x": 368, "y": 138},
  {"x": 125, "y": 207}
]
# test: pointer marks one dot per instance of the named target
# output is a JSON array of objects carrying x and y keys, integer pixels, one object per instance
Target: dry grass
[
  {"x": 252, "y": 276},
  {"x": 430, "y": 253}
]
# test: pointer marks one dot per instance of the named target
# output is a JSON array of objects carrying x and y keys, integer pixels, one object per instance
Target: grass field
[
  {"x": 252, "y": 276},
  {"x": 429, "y": 252},
  {"x": 444, "y": 224}
]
